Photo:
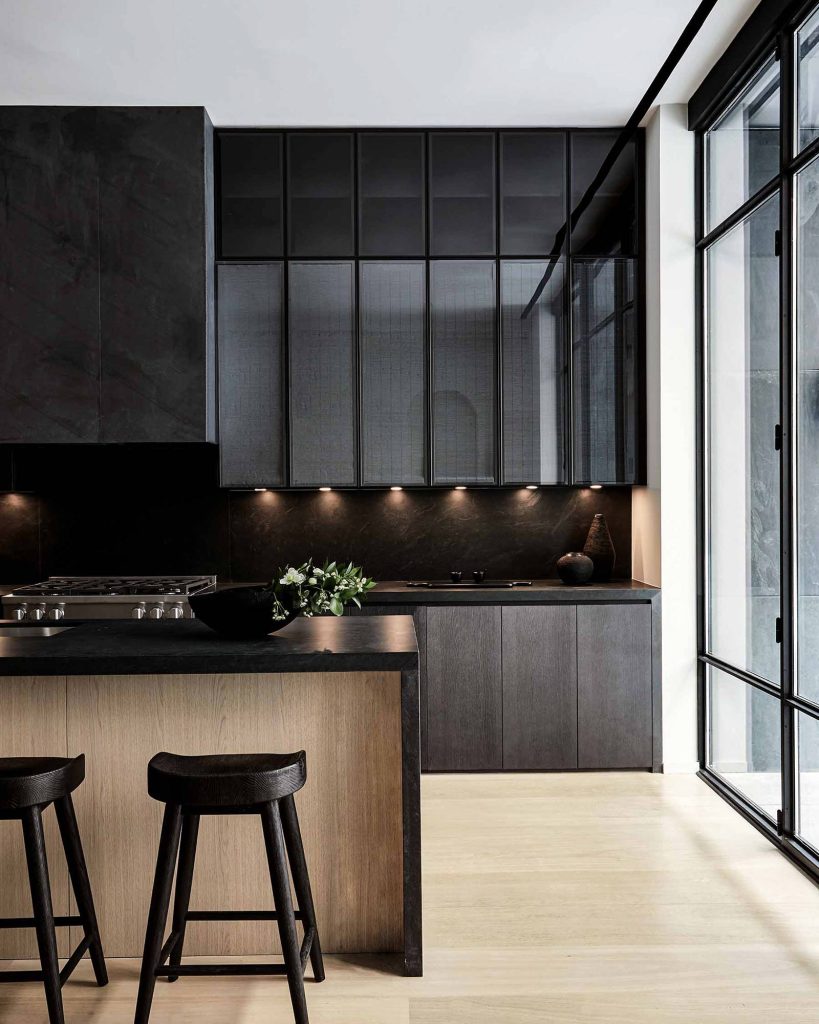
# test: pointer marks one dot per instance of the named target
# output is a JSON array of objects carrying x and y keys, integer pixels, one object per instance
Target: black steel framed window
[{"x": 757, "y": 146}]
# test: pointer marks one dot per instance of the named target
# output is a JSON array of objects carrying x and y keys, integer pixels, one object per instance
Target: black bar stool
[
  {"x": 261, "y": 784},
  {"x": 27, "y": 786}
]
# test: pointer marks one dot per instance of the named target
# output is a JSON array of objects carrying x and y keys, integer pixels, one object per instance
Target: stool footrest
[
  {"x": 236, "y": 915},
  {"x": 183, "y": 970},
  {"x": 29, "y": 922},
  {"x": 7, "y": 977}
]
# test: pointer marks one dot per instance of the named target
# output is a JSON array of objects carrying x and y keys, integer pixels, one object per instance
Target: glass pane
[
  {"x": 320, "y": 192},
  {"x": 608, "y": 226},
  {"x": 744, "y": 739},
  {"x": 533, "y": 191},
  {"x": 392, "y": 302},
  {"x": 808, "y": 765},
  {"x": 534, "y": 373},
  {"x": 604, "y": 371},
  {"x": 807, "y": 432},
  {"x": 250, "y": 189},
  {"x": 807, "y": 49},
  {"x": 742, "y": 407},
  {"x": 462, "y": 194},
  {"x": 742, "y": 149},
  {"x": 391, "y": 194}
]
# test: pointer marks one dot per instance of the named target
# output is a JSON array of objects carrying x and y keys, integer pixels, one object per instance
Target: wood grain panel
[
  {"x": 463, "y": 687},
  {"x": 540, "y": 687},
  {"x": 614, "y": 686},
  {"x": 350, "y": 808},
  {"x": 32, "y": 724}
]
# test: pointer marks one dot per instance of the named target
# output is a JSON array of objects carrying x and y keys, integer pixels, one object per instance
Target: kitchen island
[{"x": 345, "y": 690}]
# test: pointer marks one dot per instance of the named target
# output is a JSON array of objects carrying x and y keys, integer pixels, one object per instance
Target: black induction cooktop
[{"x": 467, "y": 584}]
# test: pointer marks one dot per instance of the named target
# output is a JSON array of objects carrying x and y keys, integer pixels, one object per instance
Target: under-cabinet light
[
  {"x": 396, "y": 488},
  {"x": 325, "y": 488},
  {"x": 259, "y": 490},
  {"x": 531, "y": 487},
  {"x": 460, "y": 487},
  {"x": 596, "y": 487}
]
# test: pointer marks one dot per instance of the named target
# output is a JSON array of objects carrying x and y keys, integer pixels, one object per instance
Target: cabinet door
[
  {"x": 49, "y": 275},
  {"x": 156, "y": 274},
  {"x": 614, "y": 692},
  {"x": 604, "y": 371},
  {"x": 320, "y": 194},
  {"x": 533, "y": 191},
  {"x": 539, "y": 687},
  {"x": 534, "y": 373},
  {"x": 251, "y": 401},
  {"x": 391, "y": 211},
  {"x": 322, "y": 374},
  {"x": 250, "y": 194},
  {"x": 608, "y": 227},
  {"x": 392, "y": 314},
  {"x": 462, "y": 193},
  {"x": 463, "y": 683},
  {"x": 464, "y": 371}
]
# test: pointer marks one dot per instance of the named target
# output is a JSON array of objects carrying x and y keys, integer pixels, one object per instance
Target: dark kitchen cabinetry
[
  {"x": 251, "y": 374},
  {"x": 608, "y": 227},
  {"x": 463, "y": 688},
  {"x": 532, "y": 191},
  {"x": 321, "y": 302},
  {"x": 391, "y": 202},
  {"x": 106, "y": 274},
  {"x": 605, "y": 337},
  {"x": 392, "y": 336},
  {"x": 250, "y": 196},
  {"x": 539, "y": 687},
  {"x": 614, "y": 686},
  {"x": 464, "y": 371},
  {"x": 462, "y": 193},
  {"x": 534, "y": 373},
  {"x": 320, "y": 194}
]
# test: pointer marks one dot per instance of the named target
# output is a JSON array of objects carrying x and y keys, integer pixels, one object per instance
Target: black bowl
[{"x": 240, "y": 613}]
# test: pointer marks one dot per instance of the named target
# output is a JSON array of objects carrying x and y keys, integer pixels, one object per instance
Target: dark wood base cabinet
[{"x": 546, "y": 687}]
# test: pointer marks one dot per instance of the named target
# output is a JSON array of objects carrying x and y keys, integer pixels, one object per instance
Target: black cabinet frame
[{"x": 428, "y": 257}]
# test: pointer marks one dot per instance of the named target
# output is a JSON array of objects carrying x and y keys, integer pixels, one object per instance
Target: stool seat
[
  {"x": 225, "y": 780},
  {"x": 36, "y": 781}
]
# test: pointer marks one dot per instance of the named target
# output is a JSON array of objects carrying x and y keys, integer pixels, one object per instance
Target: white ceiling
[{"x": 358, "y": 62}]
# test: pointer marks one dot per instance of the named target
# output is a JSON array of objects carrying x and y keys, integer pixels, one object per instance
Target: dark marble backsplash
[{"x": 142, "y": 510}]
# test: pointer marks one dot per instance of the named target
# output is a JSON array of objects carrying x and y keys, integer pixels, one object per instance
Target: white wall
[{"x": 664, "y": 512}]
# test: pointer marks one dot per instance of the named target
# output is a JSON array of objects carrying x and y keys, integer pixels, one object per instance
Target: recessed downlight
[
  {"x": 396, "y": 488},
  {"x": 259, "y": 490},
  {"x": 460, "y": 487},
  {"x": 596, "y": 487},
  {"x": 325, "y": 489},
  {"x": 531, "y": 487}
]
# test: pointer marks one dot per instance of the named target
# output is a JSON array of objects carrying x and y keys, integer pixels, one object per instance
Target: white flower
[
  {"x": 312, "y": 581},
  {"x": 317, "y": 571},
  {"x": 292, "y": 576}
]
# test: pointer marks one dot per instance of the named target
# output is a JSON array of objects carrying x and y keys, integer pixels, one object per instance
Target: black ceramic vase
[
  {"x": 600, "y": 549},
  {"x": 575, "y": 568},
  {"x": 239, "y": 613}
]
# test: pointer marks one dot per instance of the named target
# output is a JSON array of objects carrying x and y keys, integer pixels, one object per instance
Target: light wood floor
[{"x": 607, "y": 898}]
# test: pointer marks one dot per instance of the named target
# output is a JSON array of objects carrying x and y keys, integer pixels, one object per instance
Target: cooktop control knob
[
  {"x": 138, "y": 611},
  {"x": 156, "y": 611},
  {"x": 38, "y": 612},
  {"x": 175, "y": 611},
  {"x": 57, "y": 612},
  {"x": 20, "y": 613}
]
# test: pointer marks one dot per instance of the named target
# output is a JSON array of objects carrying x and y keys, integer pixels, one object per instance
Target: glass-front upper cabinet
[
  {"x": 250, "y": 194},
  {"x": 742, "y": 148},
  {"x": 391, "y": 203},
  {"x": 464, "y": 371},
  {"x": 392, "y": 337},
  {"x": 605, "y": 410},
  {"x": 532, "y": 191},
  {"x": 320, "y": 194},
  {"x": 533, "y": 375},
  {"x": 462, "y": 193},
  {"x": 321, "y": 304},
  {"x": 608, "y": 226},
  {"x": 742, "y": 464},
  {"x": 807, "y": 92}
]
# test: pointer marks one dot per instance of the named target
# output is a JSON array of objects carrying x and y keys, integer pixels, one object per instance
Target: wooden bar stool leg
[
  {"x": 280, "y": 880},
  {"x": 78, "y": 871},
  {"x": 301, "y": 879},
  {"x": 34, "y": 839},
  {"x": 158, "y": 913},
  {"x": 184, "y": 879}
]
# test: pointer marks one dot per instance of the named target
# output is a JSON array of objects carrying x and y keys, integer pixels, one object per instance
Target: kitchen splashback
[{"x": 146, "y": 509}]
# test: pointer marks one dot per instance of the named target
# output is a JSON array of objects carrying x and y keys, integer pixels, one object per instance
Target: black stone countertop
[
  {"x": 540, "y": 592},
  {"x": 125, "y": 647}
]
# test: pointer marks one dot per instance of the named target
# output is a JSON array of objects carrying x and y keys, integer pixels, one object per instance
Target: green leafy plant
[{"x": 312, "y": 590}]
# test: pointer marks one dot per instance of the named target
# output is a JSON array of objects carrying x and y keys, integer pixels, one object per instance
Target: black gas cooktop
[{"x": 467, "y": 584}]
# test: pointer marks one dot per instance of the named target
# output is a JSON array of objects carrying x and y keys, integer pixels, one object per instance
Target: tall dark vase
[{"x": 600, "y": 549}]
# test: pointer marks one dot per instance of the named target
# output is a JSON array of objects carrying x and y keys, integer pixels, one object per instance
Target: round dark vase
[
  {"x": 239, "y": 613},
  {"x": 575, "y": 568},
  {"x": 600, "y": 549}
]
